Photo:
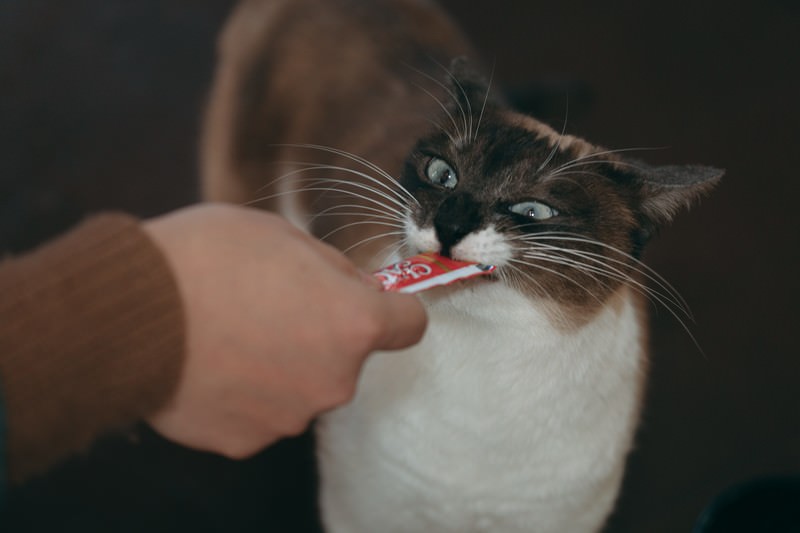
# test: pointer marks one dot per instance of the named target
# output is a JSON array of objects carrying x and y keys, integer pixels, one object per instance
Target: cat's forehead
[
  {"x": 506, "y": 139},
  {"x": 519, "y": 151},
  {"x": 569, "y": 145},
  {"x": 553, "y": 142}
]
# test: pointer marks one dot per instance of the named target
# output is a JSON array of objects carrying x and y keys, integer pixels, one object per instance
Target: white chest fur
[{"x": 495, "y": 422}]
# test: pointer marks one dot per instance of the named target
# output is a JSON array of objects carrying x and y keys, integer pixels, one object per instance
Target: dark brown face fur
[
  {"x": 373, "y": 78},
  {"x": 594, "y": 211}
]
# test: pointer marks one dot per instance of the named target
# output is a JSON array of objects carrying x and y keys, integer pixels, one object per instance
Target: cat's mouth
[
  {"x": 486, "y": 246},
  {"x": 428, "y": 270},
  {"x": 490, "y": 267}
]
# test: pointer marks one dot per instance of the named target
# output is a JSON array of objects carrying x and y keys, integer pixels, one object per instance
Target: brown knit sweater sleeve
[{"x": 91, "y": 340}]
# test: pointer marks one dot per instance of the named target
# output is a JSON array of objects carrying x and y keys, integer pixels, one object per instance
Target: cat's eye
[
  {"x": 535, "y": 210},
  {"x": 441, "y": 173}
]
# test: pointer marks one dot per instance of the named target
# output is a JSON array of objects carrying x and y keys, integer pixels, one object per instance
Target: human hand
[{"x": 278, "y": 327}]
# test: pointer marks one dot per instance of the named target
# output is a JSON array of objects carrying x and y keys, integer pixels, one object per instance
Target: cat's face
[{"x": 560, "y": 218}]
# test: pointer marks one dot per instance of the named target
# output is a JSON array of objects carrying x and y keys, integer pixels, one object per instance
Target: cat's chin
[{"x": 470, "y": 295}]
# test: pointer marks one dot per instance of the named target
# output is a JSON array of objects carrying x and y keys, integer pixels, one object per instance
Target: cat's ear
[
  {"x": 666, "y": 190},
  {"x": 471, "y": 89}
]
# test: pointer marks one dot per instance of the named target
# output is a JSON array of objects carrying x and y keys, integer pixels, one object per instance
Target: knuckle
[
  {"x": 343, "y": 393},
  {"x": 294, "y": 427},
  {"x": 332, "y": 393},
  {"x": 237, "y": 450}
]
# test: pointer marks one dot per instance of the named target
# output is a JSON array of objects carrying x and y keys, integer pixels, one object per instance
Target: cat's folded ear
[{"x": 666, "y": 190}]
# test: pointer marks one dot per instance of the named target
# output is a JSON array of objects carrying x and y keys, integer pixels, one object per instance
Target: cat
[{"x": 360, "y": 121}]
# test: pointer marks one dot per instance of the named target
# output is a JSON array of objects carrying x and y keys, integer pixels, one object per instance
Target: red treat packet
[{"x": 428, "y": 270}]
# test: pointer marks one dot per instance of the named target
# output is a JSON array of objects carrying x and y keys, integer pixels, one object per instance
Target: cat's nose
[{"x": 457, "y": 217}]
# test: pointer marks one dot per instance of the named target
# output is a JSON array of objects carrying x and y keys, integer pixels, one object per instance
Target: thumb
[{"x": 403, "y": 320}]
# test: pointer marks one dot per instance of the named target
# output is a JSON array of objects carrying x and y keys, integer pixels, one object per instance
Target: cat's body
[
  {"x": 517, "y": 410},
  {"x": 525, "y": 428}
]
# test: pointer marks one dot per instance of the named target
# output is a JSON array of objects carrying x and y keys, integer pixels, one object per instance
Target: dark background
[{"x": 99, "y": 109}]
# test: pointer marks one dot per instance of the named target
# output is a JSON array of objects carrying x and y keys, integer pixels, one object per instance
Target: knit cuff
[{"x": 91, "y": 340}]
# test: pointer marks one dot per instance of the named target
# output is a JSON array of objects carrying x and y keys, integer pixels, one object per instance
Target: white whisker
[
  {"x": 443, "y": 107},
  {"x": 669, "y": 295},
  {"x": 442, "y": 129},
  {"x": 386, "y": 191},
  {"x": 326, "y": 189},
  {"x": 526, "y": 275},
  {"x": 561, "y": 275},
  {"x": 558, "y": 143},
  {"x": 555, "y": 310},
  {"x": 372, "y": 238},
  {"x": 358, "y": 159},
  {"x": 638, "y": 287},
  {"x": 637, "y": 265},
  {"x": 644, "y": 270},
  {"x": 568, "y": 263},
  {"x": 592, "y": 263},
  {"x": 608, "y": 272},
  {"x": 466, "y": 115},
  {"x": 485, "y": 100},
  {"x": 366, "y": 211},
  {"x": 589, "y": 158},
  {"x": 359, "y": 223},
  {"x": 390, "y": 250}
]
